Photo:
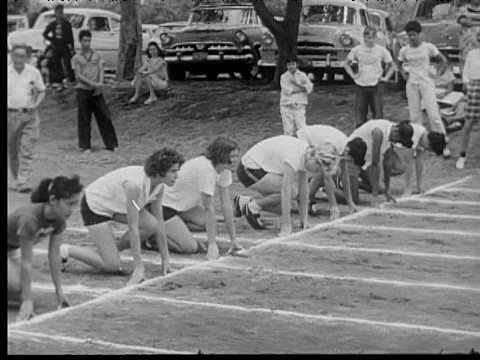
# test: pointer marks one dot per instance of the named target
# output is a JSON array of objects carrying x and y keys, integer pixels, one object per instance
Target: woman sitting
[{"x": 153, "y": 73}]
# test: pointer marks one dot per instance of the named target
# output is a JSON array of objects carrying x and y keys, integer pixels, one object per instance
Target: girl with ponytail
[{"x": 52, "y": 203}]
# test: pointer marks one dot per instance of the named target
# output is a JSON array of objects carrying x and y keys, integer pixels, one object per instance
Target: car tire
[
  {"x": 330, "y": 76},
  {"x": 268, "y": 73},
  {"x": 318, "y": 75},
  {"x": 212, "y": 75},
  {"x": 251, "y": 69},
  {"x": 175, "y": 72}
]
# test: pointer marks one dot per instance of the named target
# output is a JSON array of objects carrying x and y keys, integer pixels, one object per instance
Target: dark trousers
[
  {"x": 88, "y": 104},
  {"x": 369, "y": 97},
  {"x": 61, "y": 66}
]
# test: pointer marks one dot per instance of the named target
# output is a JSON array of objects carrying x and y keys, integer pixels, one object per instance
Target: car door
[{"x": 105, "y": 38}]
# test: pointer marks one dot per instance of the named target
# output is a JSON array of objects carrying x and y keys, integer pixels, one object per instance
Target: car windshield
[
  {"x": 75, "y": 19},
  {"x": 332, "y": 14},
  {"x": 375, "y": 19},
  {"x": 437, "y": 9},
  {"x": 226, "y": 17}
]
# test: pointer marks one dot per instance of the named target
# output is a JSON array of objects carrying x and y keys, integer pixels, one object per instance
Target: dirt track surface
[{"x": 387, "y": 280}]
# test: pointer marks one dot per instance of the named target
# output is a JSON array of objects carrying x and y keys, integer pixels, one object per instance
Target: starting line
[
  {"x": 417, "y": 213},
  {"x": 382, "y": 251},
  {"x": 460, "y": 189},
  {"x": 445, "y": 202}
]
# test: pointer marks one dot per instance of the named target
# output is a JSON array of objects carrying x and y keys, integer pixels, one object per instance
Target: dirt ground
[{"x": 333, "y": 290}]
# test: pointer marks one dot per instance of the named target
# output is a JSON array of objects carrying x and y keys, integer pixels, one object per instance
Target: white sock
[
  {"x": 254, "y": 207},
  {"x": 243, "y": 200},
  {"x": 64, "y": 251}
]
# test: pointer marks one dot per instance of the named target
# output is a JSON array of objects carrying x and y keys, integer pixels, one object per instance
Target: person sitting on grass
[
  {"x": 121, "y": 196},
  {"x": 153, "y": 74},
  {"x": 189, "y": 204},
  {"x": 380, "y": 135},
  {"x": 273, "y": 168},
  {"x": 52, "y": 203},
  {"x": 422, "y": 140},
  {"x": 331, "y": 140}
]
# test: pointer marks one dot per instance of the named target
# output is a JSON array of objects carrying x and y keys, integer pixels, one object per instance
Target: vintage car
[
  {"x": 328, "y": 30},
  {"x": 16, "y": 22},
  {"x": 381, "y": 20},
  {"x": 439, "y": 27},
  {"x": 218, "y": 38},
  {"x": 104, "y": 25}
]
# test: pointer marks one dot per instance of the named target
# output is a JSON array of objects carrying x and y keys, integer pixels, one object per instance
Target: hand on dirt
[
  {"x": 166, "y": 269},
  {"x": 334, "y": 213},
  {"x": 285, "y": 230},
  {"x": 353, "y": 208},
  {"x": 420, "y": 189},
  {"x": 63, "y": 302},
  {"x": 390, "y": 197},
  {"x": 26, "y": 311},
  {"x": 305, "y": 225},
  {"x": 212, "y": 252},
  {"x": 137, "y": 277}
]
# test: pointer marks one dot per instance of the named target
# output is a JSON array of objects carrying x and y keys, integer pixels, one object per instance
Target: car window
[
  {"x": 115, "y": 24},
  {"x": 375, "y": 19},
  {"x": 437, "y": 9},
  {"x": 328, "y": 14},
  {"x": 363, "y": 18},
  {"x": 98, "y": 23},
  {"x": 75, "y": 19}
]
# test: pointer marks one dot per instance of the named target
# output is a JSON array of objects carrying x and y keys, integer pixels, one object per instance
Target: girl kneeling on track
[
  {"x": 334, "y": 142},
  {"x": 190, "y": 202},
  {"x": 121, "y": 196},
  {"x": 380, "y": 135},
  {"x": 52, "y": 204},
  {"x": 271, "y": 168}
]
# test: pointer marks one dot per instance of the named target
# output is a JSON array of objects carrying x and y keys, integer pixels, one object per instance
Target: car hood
[
  {"x": 441, "y": 33},
  {"x": 32, "y": 37},
  {"x": 327, "y": 33}
]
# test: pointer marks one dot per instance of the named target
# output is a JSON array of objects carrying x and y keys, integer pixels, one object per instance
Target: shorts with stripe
[{"x": 247, "y": 176}]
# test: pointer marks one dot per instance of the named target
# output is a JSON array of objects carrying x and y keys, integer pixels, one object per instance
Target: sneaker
[
  {"x": 254, "y": 219},
  {"x": 447, "y": 152},
  {"x": 461, "y": 163},
  {"x": 149, "y": 244},
  {"x": 86, "y": 151},
  {"x": 312, "y": 208},
  {"x": 237, "y": 211},
  {"x": 64, "y": 257}
]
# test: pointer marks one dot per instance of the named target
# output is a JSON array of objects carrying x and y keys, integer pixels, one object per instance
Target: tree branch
[{"x": 267, "y": 18}]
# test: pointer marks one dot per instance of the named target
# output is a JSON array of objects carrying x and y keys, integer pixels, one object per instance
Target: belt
[{"x": 20, "y": 110}]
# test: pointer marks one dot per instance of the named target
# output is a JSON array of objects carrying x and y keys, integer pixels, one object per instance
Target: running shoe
[
  {"x": 149, "y": 244},
  {"x": 312, "y": 208},
  {"x": 254, "y": 219},
  {"x": 460, "y": 163}
]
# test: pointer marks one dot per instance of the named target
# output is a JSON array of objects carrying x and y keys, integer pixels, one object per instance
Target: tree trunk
[
  {"x": 285, "y": 32},
  {"x": 130, "y": 51}
]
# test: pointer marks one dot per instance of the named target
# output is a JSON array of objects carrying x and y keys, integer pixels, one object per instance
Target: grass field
[{"x": 399, "y": 278}]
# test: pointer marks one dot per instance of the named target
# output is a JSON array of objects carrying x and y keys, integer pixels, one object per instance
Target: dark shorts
[
  {"x": 88, "y": 216},
  {"x": 169, "y": 213},
  {"x": 248, "y": 177}
]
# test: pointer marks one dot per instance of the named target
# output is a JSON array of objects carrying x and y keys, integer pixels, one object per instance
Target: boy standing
[
  {"x": 471, "y": 81},
  {"x": 421, "y": 86},
  {"x": 88, "y": 66},
  {"x": 295, "y": 87},
  {"x": 369, "y": 89}
]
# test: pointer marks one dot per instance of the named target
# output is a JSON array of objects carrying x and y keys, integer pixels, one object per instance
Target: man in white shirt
[
  {"x": 295, "y": 87},
  {"x": 26, "y": 90}
]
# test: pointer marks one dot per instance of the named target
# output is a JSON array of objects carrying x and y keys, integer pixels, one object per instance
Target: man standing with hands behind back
[
  {"x": 295, "y": 87},
  {"x": 59, "y": 33}
]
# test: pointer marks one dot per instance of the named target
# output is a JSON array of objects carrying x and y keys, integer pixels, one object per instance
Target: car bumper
[
  {"x": 185, "y": 59},
  {"x": 306, "y": 62}
]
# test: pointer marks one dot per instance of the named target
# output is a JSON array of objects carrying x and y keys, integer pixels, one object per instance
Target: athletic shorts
[
  {"x": 91, "y": 218},
  {"x": 248, "y": 177}
]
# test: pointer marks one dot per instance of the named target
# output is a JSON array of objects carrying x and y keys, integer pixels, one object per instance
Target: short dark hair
[
  {"x": 437, "y": 142},
  {"x": 405, "y": 131},
  {"x": 84, "y": 33},
  {"x": 61, "y": 187},
  {"x": 292, "y": 58},
  {"x": 147, "y": 52},
  {"x": 161, "y": 161},
  {"x": 58, "y": 7},
  {"x": 218, "y": 152},
  {"x": 413, "y": 26},
  {"x": 357, "y": 148},
  {"x": 369, "y": 29}
]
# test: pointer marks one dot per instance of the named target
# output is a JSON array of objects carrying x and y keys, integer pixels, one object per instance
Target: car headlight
[
  {"x": 165, "y": 39},
  {"x": 267, "y": 39},
  {"x": 241, "y": 36},
  {"x": 346, "y": 40}
]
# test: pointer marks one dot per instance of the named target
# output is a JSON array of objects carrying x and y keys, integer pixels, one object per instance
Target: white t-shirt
[
  {"x": 196, "y": 176},
  {"x": 370, "y": 61},
  {"x": 22, "y": 89},
  {"x": 271, "y": 154},
  {"x": 365, "y": 133},
  {"x": 106, "y": 195},
  {"x": 418, "y": 60}
]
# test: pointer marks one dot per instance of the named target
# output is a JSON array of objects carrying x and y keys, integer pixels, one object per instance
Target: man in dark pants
[
  {"x": 59, "y": 33},
  {"x": 88, "y": 66}
]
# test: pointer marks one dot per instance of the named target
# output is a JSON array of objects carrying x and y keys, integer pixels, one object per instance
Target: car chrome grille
[
  {"x": 453, "y": 55},
  {"x": 212, "y": 48},
  {"x": 320, "y": 49}
]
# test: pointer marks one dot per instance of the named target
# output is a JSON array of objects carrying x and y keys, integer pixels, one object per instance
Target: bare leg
[{"x": 180, "y": 239}]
